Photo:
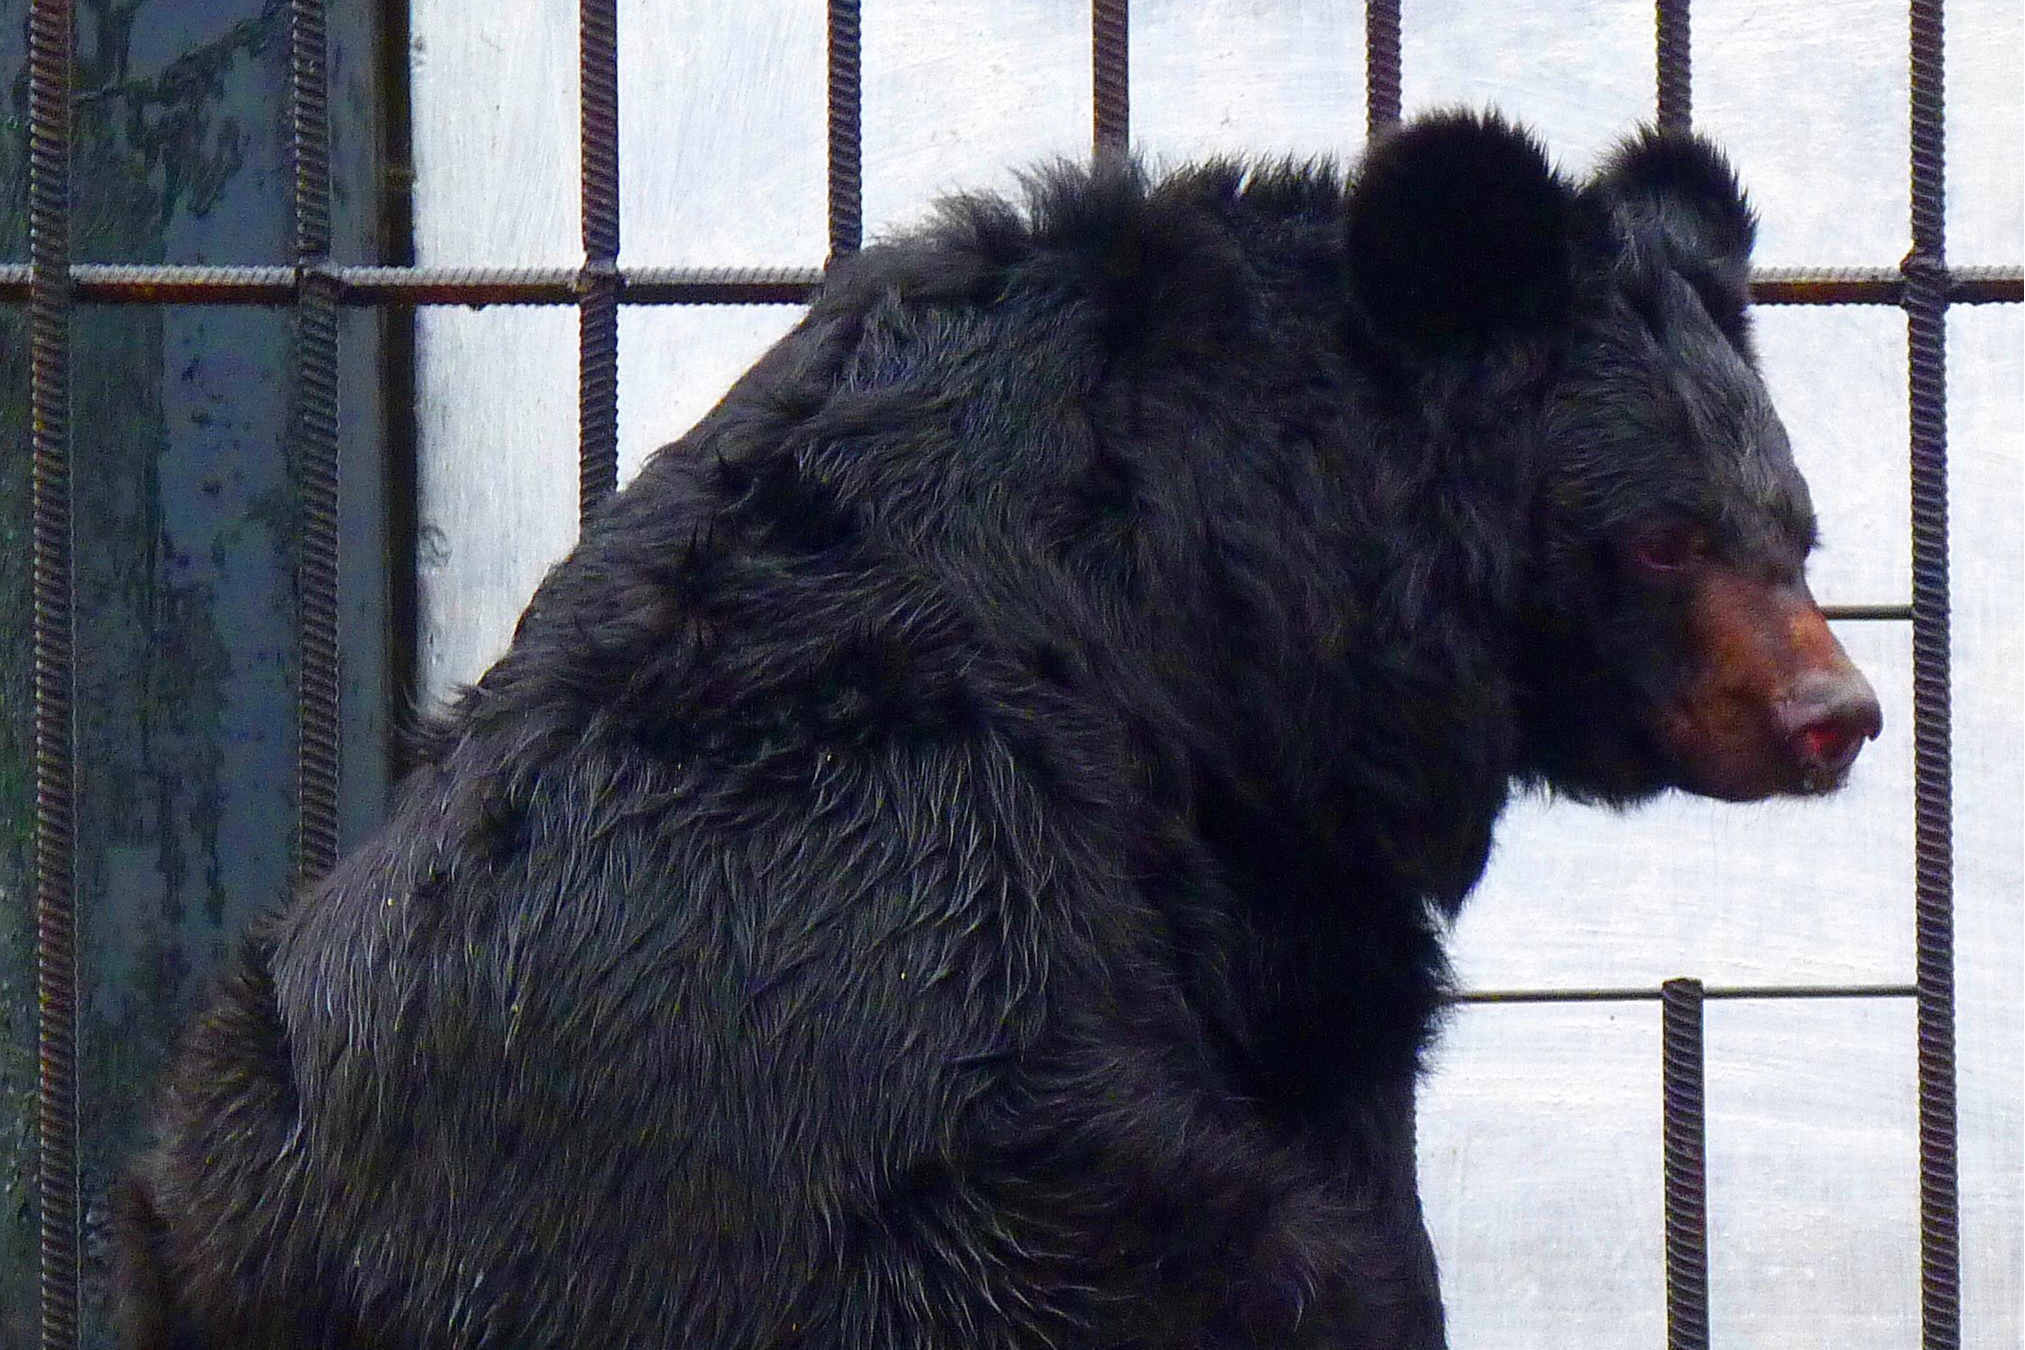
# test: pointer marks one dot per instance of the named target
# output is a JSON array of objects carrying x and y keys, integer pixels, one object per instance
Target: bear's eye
[{"x": 1669, "y": 548}]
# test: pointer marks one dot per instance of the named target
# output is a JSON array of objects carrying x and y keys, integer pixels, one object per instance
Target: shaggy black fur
[{"x": 956, "y": 857}]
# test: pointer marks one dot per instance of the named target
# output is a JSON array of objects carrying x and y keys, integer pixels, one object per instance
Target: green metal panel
[{"x": 186, "y": 529}]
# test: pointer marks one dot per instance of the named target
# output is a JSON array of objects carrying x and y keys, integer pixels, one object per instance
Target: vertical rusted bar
[
  {"x": 1926, "y": 303},
  {"x": 598, "y": 308},
  {"x": 1685, "y": 1130},
  {"x": 1676, "y": 100},
  {"x": 847, "y": 176},
  {"x": 1110, "y": 51},
  {"x": 316, "y": 450},
  {"x": 1381, "y": 64},
  {"x": 51, "y": 24},
  {"x": 50, "y": 27}
]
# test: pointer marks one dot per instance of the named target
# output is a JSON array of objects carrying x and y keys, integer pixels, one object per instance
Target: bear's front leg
[{"x": 1194, "y": 1220}]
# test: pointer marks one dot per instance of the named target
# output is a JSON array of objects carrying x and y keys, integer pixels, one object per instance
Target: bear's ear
[
  {"x": 1461, "y": 233},
  {"x": 1683, "y": 185}
]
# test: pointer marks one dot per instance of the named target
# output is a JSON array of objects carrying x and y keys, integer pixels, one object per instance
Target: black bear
[{"x": 958, "y": 855}]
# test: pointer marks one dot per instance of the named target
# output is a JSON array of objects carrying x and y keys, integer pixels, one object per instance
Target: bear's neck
[{"x": 1358, "y": 748}]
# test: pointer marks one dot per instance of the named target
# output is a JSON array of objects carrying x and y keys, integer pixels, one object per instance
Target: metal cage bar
[
  {"x": 1710, "y": 993},
  {"x": 1685, "y": 1154},
  {"x": 1926, "y": 305},
  {"x": 1381, "y": 65},
  {"x": 598, "y": 288},
  {"x": 846, "y": 118},
  {"x": 1110, "y": 71},
  {"x": 1675, "y": 101},
  {"x": 315, "y": 432},
  {"x": 51, "y": 100},
  {"x": 182, "y": 284}
]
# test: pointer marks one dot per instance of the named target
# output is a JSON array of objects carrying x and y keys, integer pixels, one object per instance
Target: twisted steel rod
[
  {"x": 316, "y": 444},
  {"x": 181, "y": 284},
  {"x": 51, "y": 103},
  {"x": 1110, "y": 57},
  {"x": 1685, "y": 1154},
  {"x": 598, "y": 301},
  {"x": 846, "y": 116},
  {"x": 1926, "y": 304}
]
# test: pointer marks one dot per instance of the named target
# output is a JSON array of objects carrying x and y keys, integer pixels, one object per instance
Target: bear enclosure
[{"x": 233, "y": 556}]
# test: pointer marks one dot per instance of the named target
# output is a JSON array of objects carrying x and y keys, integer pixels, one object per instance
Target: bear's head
[{"x": 1667, "y": 637}]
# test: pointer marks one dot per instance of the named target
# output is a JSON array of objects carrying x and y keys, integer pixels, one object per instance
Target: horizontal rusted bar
[
  {"x": 1881, "y": 286},
  {"x": 175, "y": 284},
  {"x": 1902, "y": 613},
  {"x": 676, "y": 286},
  {"x": 169, "y": 285},
  {"x": 1827, "y": 286},
  {"x": 1644, "y": 994},
  {"x": 103, "y": 283}
]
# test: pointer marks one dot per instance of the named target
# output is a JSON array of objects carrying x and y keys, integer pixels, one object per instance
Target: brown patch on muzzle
[{"x": 1775, "y": 705}]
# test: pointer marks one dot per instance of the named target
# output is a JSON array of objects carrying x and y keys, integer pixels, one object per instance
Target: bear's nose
[{"x": 1826, "y": 718}]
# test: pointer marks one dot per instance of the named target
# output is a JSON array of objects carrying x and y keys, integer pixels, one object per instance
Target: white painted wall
[{"x": 1540, "y": 1132}]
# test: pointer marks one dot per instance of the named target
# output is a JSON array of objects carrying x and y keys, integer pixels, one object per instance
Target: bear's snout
[
  {"x": 1827, "y": 717},
  {"x": 1777, "y": 708}
]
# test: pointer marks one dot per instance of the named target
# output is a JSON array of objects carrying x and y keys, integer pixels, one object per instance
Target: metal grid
[{"x": 51, "y": 284}]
